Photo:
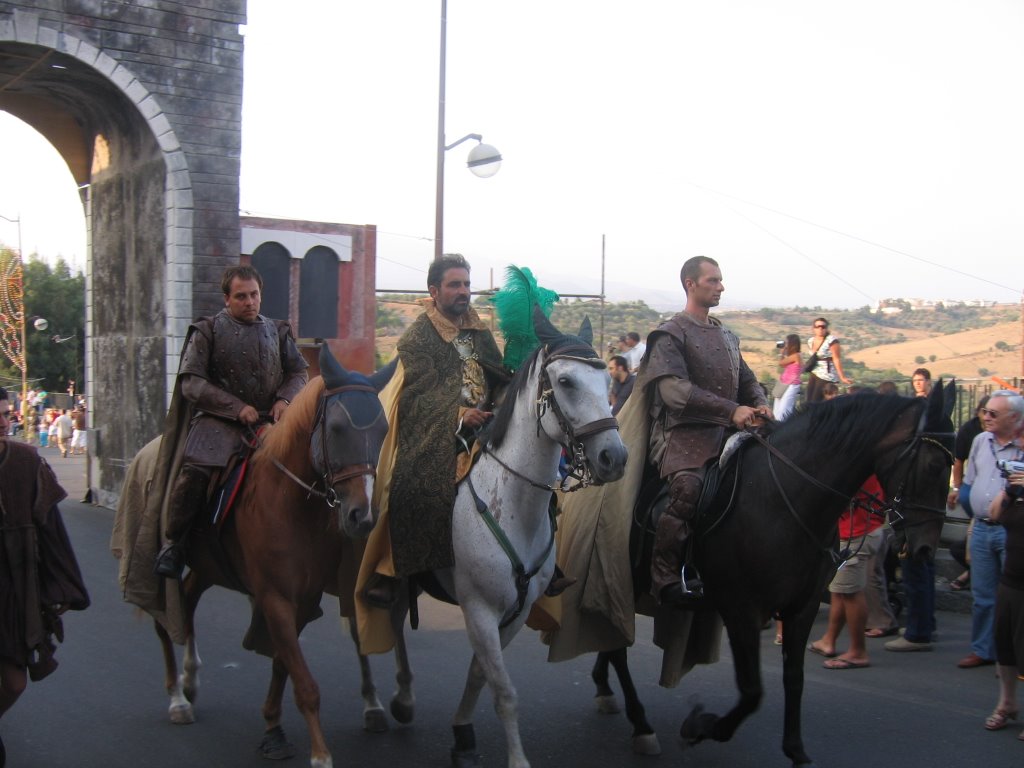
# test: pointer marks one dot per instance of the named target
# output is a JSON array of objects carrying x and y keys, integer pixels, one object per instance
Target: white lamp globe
[
  {"x": 484, "y": 160},
  {"x": 41, "y": 324}
]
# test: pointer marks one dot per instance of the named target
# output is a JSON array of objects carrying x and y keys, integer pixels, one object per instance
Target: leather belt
[{"x": 988, "y": 521}]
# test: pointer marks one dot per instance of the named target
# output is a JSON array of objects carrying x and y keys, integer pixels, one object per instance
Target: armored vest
[{"x": 246, "y": 360}]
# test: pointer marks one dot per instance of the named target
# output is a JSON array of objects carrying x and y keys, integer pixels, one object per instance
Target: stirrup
[
  {"x": 170, "y": 563},
  {"x": 381, "y": 591}
]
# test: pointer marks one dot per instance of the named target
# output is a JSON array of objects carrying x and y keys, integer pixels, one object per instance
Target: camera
[
  {"x": 1009, "y": 467},
  {"x": 780, "y": 344}
]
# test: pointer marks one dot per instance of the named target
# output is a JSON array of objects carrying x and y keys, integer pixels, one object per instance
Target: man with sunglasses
[{"x": 1003, "y": 420}]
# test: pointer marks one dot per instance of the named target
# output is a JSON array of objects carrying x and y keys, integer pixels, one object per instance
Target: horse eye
[{"x": 567, "y": 382}]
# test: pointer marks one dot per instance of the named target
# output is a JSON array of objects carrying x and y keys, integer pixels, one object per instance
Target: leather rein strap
[{"x": 329, "y": 480}]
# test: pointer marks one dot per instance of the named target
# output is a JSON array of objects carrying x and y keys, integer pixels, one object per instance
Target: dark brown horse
[
  {"x": 306, "y": 497},
  {"x": 766, "y": 547}
]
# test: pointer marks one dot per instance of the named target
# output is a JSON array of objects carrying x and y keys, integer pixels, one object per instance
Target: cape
[
  {"x": 593, "y": 546},
  {"x": 429, "y": 405},
  {"x": 38, "y": 568}
]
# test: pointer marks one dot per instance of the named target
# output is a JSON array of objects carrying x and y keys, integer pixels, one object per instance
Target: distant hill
[{"x": 970, "y": 343}]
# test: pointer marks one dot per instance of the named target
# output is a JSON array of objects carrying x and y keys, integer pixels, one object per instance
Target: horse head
[
  {"x": 920, "y": 474},
  {"x": 346, "y": 441},
  {"x": 574, "y": 387}
]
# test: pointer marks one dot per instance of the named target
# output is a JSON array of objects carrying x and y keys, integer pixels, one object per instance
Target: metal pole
[
  {"x": 602, "y": 347},
  {"x": 439, "y": 195}
]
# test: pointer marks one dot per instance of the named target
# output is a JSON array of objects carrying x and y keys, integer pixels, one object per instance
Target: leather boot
[
  {"x": 188, "y": 497},
  {"x": 673, "y": 582},
  {"x": 559, "y": 583},
  {"x": 381, "y": 591}
]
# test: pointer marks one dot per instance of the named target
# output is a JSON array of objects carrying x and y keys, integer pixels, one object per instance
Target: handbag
[
  {"x": 812, "y": 363},
  {"x": 780, "y": 390}
]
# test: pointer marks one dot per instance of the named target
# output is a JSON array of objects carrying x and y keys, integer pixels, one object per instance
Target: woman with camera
[
  {"x": 1008, "y": 509},
  {"x": 825, "y": 364},
  {"x": 788, "y": 388}
]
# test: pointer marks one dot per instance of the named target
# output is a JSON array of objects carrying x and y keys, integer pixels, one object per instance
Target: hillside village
[{"x": 972, "y": 341}]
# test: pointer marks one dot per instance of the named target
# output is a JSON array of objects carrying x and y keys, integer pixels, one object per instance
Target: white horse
[{"x": 503, "y": 526}]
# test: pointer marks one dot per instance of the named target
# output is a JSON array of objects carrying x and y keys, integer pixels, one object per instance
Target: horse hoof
[
  {"x": 375, "y": 721},
  {"x": 182, "y": 714},
  {"x": 607, "y": 705},
  {"x": 466, "y": 759},
  {"x": 275, "y": 746},
  {"x": 690, "y": 731},
  {"x": 401, "y": 711},
  {"x": 646, "y": 744}
]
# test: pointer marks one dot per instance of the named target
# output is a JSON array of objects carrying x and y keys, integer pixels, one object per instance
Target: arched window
[
  {"x": 274, "y": 264},
  {"x": 318, "y": 294}
]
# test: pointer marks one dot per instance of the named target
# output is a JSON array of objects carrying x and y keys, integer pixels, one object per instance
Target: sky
[{"x": 826, "y": 154}]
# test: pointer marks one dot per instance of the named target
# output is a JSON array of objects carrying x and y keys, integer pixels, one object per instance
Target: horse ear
[
  {"x": 333, "y": 372},
  {"x": 932, "y": 416},
  {"x": 586, "y": 331},
  {"x": 949, "y": 399},
  {"x": 380, "y": 379},
  {"x": 546, "y": 332}
]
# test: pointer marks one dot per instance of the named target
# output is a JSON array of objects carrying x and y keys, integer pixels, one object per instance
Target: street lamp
[{"x": 483, "y": 161}]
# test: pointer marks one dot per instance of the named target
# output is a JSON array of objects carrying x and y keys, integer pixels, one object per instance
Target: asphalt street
[{"x": 105, "y": 705}]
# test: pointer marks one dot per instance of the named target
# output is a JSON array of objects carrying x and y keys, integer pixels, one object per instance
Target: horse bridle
[
  {"x": 579, "y": 464},
  {"x": 329, "y": 479}
]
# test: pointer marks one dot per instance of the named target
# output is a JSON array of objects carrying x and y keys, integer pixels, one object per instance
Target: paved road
[{"x": 105, "y": 706}]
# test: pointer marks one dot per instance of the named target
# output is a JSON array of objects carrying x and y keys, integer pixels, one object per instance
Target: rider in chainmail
[{"x": 237, "y": 368}]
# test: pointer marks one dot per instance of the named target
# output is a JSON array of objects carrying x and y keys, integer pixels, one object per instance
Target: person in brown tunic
[
  {"x": 699, "y": 387},
  {"x": 39, "y": 575},
  {"x": 237, "y": 368}
]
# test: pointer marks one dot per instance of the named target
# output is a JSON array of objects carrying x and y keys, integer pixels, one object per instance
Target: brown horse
[{"x": 305, "y": 499}]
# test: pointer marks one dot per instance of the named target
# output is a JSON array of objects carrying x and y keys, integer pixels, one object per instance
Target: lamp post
[{"x": 483, "y": 161}]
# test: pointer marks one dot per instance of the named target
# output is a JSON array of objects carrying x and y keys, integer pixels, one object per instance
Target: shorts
[
  {"x": 78, "y": 438},
  {"x": 852, "y": 577}
]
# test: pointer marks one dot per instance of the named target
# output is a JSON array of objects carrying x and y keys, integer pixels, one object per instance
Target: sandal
[{"x": 1000, "y": 719}]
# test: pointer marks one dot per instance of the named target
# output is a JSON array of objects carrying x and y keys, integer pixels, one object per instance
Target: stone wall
[{"x": 156, "y": 92}]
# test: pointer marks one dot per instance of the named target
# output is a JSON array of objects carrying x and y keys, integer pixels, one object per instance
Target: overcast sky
[{"x": 825, "y": 153}]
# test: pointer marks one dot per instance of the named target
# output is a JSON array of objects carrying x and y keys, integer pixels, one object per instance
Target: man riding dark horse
[
  {"x": 699, "y": 385},
  {"x": 237, "y": 368}
]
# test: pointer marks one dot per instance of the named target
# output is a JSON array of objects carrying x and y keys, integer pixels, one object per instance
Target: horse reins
[
  {"x": 884, "y": 508},
  {"x": 329, "y": 479}
]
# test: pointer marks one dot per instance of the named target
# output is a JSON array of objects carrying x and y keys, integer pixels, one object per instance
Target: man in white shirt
[{"x": 634, "y": 350}]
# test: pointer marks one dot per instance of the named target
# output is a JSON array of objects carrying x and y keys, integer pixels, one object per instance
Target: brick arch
[{"x": 159, "y": 87}]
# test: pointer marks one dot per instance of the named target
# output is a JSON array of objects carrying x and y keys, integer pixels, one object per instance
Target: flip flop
[
  {"x": 815, "y": 649},
  {"x": 845, "y": 664},
  {"x": 880, "y": 632}
]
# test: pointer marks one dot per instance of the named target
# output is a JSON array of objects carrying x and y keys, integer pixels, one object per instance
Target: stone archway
[{"x": 144, "y": 104}]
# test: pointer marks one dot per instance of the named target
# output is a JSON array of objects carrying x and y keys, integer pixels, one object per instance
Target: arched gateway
[{"x": 144, "y": 104}]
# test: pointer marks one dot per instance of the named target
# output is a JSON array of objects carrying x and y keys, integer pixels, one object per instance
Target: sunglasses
[
  {"x": 990, "y": 412},
  {"x": 821, "y": 326}
]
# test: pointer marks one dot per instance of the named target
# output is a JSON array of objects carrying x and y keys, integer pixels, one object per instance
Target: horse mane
[
  {"x": 293, "y": 430},
  {"x": 845, "y": 425},
  {"x": 495, "y": 432}
]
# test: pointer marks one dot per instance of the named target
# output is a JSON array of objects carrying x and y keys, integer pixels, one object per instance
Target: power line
[{"x": 855, "y": 237}]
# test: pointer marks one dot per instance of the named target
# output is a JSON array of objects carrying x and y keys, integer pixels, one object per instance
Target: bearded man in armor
[
  {"x": 699, "y": 388},
  {"x": 238, "y": 368}
]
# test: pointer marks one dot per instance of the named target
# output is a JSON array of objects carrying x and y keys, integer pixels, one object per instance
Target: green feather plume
[{"x": 514, "y": 305}]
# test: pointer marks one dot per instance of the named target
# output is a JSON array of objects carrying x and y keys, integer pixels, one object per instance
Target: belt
[{"x": 987, "y": 521}]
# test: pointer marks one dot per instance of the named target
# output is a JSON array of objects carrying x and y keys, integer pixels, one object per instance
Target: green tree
[{"x": 56, "y": 355}]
